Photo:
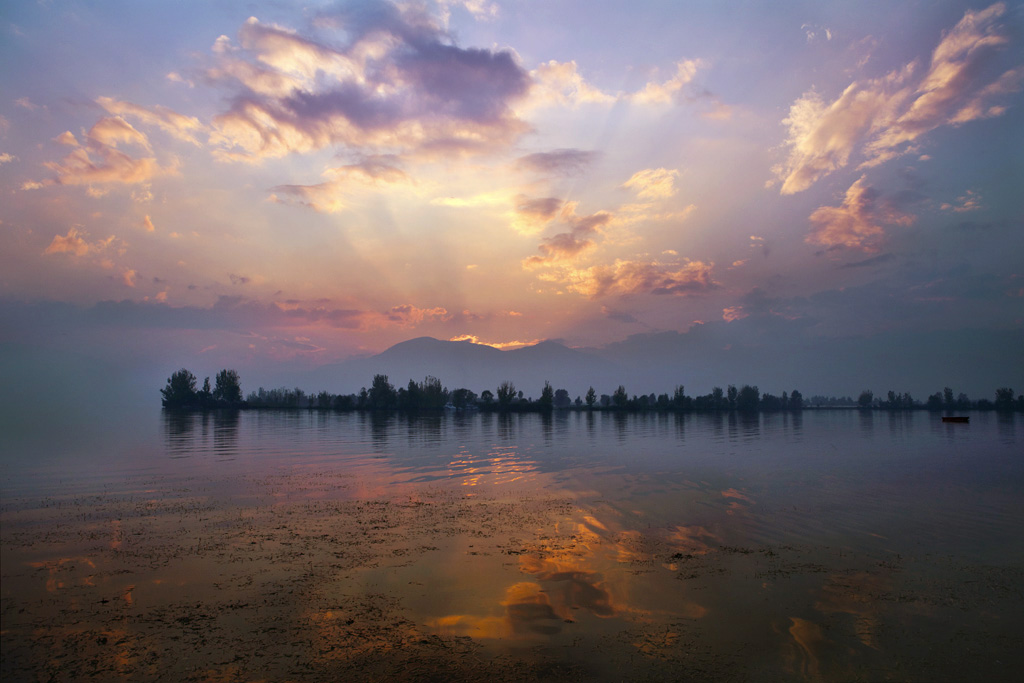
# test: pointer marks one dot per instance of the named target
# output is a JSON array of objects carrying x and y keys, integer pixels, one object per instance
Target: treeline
[
  {"x": 942, "y": 400},
  {"x": 431, "y": 395}
]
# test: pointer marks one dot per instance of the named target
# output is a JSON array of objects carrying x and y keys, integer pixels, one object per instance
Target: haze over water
[{"x": 822, "y": 545}]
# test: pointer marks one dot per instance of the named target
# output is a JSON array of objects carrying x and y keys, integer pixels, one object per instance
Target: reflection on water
[
  {"x": 189, "y": 433},
  {"x": 601, "y": 546}
]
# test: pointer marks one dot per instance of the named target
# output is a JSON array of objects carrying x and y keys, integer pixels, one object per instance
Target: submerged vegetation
[{"x": 431, "y": 395}]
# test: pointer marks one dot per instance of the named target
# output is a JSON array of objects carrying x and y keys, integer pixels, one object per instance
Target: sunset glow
[{"x": 277, "y": 187}]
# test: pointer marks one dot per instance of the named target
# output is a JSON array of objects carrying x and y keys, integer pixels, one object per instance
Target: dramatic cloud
[
  {"x": 394, "y": 83},
  {"x": 643, "y": 277},
  {"x": 561, "y": 162},
  {"x": 75, "y": 243},
  {"x": 653, "y": 183},
  {"x": 882, "y": 118},
  {"x": 857, "y": 223}
]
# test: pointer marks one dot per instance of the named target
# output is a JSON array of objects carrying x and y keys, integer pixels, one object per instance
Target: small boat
[{"x": 956, "y": 418}]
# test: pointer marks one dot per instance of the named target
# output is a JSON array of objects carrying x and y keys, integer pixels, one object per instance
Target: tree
[
  {"x": 1004, "y": 399},
  {"x": 506, "y": 392},
  {"x": 865, "y": 398},
  {"x": 796, "y": 400},
  {"x": 180, "y": 390},
  {"x": 487, "y": 396},
  {"x": 205, "y": 394},
  {"x": 562, "y": 399},
  {"x": 382, "y": 394},
  {"x": 591, "y": 397},
  {"x": 731, "y": 394},
  {"x": 748, "y": 398},
  {"x": 620, "y": 398},
  {"x": 547, "y": 397},
  {"x": 679, "y": 399},
  {"x": 462, "y": 398},
  {"x": 228, "y": 388}
]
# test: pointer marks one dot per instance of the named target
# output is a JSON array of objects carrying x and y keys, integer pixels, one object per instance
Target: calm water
[{"x": 831, "y": 545}]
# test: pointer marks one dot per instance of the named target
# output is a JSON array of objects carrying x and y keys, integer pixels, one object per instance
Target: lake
[{"x": 263, "y": 545}]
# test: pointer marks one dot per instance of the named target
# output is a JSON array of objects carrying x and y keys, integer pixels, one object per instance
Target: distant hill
[
  {"x": 474, "y": 366},
  {"x": 773, "y": 354}
]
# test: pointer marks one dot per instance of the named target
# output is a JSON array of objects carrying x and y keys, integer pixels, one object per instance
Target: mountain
[{"x": 474, "y": 366}]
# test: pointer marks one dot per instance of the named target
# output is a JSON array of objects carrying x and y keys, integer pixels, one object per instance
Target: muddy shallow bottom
[{"x": 306, "y": 577}]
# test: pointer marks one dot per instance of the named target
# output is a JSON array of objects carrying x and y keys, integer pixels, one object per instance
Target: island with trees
[{"x": 430, "y": 395}]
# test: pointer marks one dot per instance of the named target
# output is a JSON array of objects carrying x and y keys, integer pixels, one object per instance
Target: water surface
[{"x": 828, "y": 545}]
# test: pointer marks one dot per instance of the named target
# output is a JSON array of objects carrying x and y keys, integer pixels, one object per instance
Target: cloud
[
  {"x": 75, "y": 243},
  {"x": 67, "y": 138},
  {"x": 239, "y": 279},
  {"x": 857, "y": 222},
  {"x": 643, "y": 277},
  {"x": 568, "y": 246},
  {"x": 560, "y": 162},
  {"x": 653, "y": 183},
  {"x": 6, "y": 158},
  {"x": 666, "y": 92},
  {"x": 560, "y": 84},
  {"x": 407, "y": 315},
  {"x": 128, "y": 277},
  {"x": 969, "y": 201},
  {"x": 100, "y": 162},
  {"x": 178, "y": 125},
  {"x": 620, "y": 316},
  {"x": 882, "y": 118},
  {"x": 344, "y": 181},
  {"x": 113, "y": 130},
  {"x": 392, "y": 82},
  {"x": 147, "y": 224}
]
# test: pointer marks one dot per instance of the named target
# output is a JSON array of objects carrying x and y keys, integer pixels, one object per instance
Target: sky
[{"x": 277, "y": 186}]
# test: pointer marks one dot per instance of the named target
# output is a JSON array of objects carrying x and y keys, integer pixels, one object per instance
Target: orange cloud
[
  {"x": 857, "y": 223},
  {"x": 883, "y": 117},
  {"x": 643, "y": 277},
  {"x": 74, "y": 243},
  {"x": 653, "y": 183}
]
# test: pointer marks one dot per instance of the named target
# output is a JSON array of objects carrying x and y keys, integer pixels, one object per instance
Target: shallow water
[{"x": 832, "y": 545}]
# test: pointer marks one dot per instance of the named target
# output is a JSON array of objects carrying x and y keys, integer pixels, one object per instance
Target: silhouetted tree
[
  {"x": 562, "y": 399},
  {"x": 620, "y": 398},
  {"x": 487, "y": 397},
  {"x": 205, "y": 394},
  {"x": 865, "y": 399},
  {"x": 506, "y": 392},
  {"x": 679, "y": 399},
  {"x": 228, "y": 388},
  {"x": 731, "y": 394},
  {"x": 1004, "y": 399},
  {"x": 591, "y": 397},
  {"x": 947, "y": 397},
  {"x": 547, "y": 398},
  {"x": 382, "y": 394},
  {"x": 180, "y": 390},
  {"x": 934, "y": 401},
  {"x": 718, "y": 399},
  {"x": 324, "y": 400},
  {"x": 796, "y": 400},
  {"x": 462, "y": 398},
  {"x": 748, "y": 398}
]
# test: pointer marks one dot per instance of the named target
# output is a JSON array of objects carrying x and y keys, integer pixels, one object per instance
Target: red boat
[{"x": 956, "y": 418}]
